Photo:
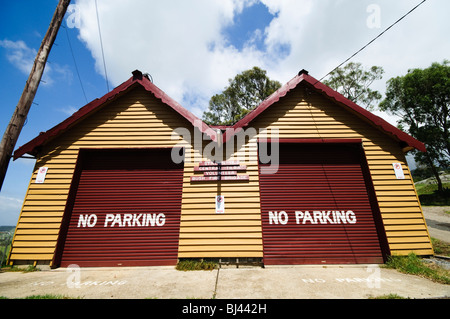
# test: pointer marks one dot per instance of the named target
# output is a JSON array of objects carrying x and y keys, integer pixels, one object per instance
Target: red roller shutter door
[
  {"x": 124, "y": 209},
  {"x": 316, "y": 209}
]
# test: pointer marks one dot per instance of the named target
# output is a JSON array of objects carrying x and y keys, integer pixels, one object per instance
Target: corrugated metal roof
[
  {"x": 139, "y": 79},
  {"x": 88, "y": 109},
  {"x": 304, "y": 78}
]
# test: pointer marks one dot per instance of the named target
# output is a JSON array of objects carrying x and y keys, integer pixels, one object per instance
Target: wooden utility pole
[{"x": 15, "y": 125}]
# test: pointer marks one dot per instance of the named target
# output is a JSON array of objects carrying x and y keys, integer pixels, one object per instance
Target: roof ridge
[
  {"x": 211, "y": 131},
  {"x": 137, "y": 78},
  {"x": 303, "y": 76}
]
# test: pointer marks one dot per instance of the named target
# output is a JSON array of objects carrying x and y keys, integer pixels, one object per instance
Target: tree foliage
[
  {"x": 353, "y": 82},
  {"x": 421, "y": 99},
  {"x": 245, "y": 92}
]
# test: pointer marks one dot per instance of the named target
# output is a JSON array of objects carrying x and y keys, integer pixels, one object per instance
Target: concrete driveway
[{"x": 295, "y": 282}]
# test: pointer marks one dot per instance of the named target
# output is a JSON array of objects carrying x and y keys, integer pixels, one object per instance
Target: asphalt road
[{"x": 438, "y": 221}]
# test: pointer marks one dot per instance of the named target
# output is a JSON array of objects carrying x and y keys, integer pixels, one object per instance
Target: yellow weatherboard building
[{"x": 133, "y": 178}]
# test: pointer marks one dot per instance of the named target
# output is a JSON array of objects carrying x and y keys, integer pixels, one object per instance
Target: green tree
[
  {"x": 245, "y": 92},
  {"x": 421, "y": 99},
  {"x": 353, "y": 82}
]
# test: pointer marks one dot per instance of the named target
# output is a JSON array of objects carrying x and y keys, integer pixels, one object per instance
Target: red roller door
[
  {"x": 123, "y": 210},
  {"x": 317, "y": 208}
]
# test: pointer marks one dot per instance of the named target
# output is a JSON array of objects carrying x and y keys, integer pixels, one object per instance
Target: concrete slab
[
  {"x": 330, "y": 282},
  {"x": 120, "y": 283},
  {"x": 305, "y": 282}
]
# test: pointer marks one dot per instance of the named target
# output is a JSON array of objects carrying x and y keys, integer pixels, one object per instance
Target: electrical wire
[
  {"x": 372, "y": 40},
  {"x": 76, "y": 66},
  {"x": 101, "y": 45}
]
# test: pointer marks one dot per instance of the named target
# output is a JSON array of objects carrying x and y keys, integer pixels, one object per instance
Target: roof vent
[
  {"x": 137, "y": 75},
  {"x": 303, "y": 71},
  {"x": 149, "y": 77}
]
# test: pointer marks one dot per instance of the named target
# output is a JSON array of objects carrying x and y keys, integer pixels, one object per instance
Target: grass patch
[
  {"x": 47, "y": 296},
  {"x": 412, "y": 264},
  {"x": 429, "y": 188},
  {"x": 389, "y": 296},
  {"x": 440, "y": 247},
  {"x": 29, "y": 268},
  {"x": 429, "y": 195},
  {"x": 5, "y": 243},
  {"x": 195, "y": 264}
]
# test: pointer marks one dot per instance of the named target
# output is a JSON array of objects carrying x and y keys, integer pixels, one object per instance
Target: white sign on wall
[
  {"x": 398, "y": 170},
  {"x": 40, "y": 178},
  {"x": 220, "y": 204}
]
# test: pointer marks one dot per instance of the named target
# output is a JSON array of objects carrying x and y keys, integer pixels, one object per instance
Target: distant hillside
[
  {"x": 445, "y": 178},
  {"x": 428, "y": 194},
  {"x": 7, "y": 228}
]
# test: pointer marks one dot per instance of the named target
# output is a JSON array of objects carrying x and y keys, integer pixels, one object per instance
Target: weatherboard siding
[
  {"x": 309, "y": 115},
  {"x": 137, "y": 119},
  {"x": 237, "y": 232}
]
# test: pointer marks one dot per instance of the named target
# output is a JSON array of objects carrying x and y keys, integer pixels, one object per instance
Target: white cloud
[
  {"x": 22, "y": 57},
  {"x": 289, "y": 24},
  {"x": 10, "y": 202},
  {"x": 19, "y": 54},
  {"x": 181, "y": 43},
  {"x": 9, "y": 209},
  {"x": 323, "y": 34},
  {"x": 68, "y": 110}
]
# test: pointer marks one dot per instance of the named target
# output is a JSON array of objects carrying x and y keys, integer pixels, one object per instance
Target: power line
[
  {"x": 373, "y": 40},
  {"x": 15, "y": 125},
  {"x": 101, "y": 45},
  {"x": 75, "y": 62}
]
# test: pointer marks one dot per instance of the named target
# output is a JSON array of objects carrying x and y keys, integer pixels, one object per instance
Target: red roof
[
  {"x": 136, "y": 79},
  {"x": 304, "y": 78},
  {"x": 139, "y": 79}
]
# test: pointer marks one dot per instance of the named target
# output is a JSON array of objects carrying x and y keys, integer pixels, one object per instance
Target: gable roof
[
  {"x": 139, "y": 79},
  {"x": 136, "y": 80},
  {"x": 303, "y": 77}
]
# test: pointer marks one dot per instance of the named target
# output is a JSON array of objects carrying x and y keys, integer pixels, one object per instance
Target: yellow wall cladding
[
  {"x": 308, "y": 115},
  {"x": 238, "y": 232},
  {"x": 138, "y": 119}
]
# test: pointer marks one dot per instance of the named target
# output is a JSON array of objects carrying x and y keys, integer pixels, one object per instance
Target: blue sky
[
  {"x": 23, "y": 25},
  {"x": 256, "y": 17},
  {"x": 191, "y": 49}
]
